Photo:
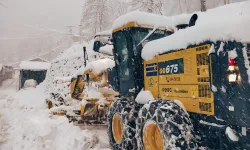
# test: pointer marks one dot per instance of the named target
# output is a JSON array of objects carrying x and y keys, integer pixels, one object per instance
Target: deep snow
[{"x": 26, "y": 123}]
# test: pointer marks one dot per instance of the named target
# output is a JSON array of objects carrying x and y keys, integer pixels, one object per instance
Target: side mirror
[
  {"x": 97, "y": 46},
  {"x": 193, "y": 20}
]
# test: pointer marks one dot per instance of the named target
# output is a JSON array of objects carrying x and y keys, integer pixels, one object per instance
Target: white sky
[{"x": 54, "y": 14}]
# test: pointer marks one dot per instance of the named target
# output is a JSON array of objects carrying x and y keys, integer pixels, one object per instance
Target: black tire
[
  {"x": 124, "y": 108},
  {"x": 172, "y": 122}
]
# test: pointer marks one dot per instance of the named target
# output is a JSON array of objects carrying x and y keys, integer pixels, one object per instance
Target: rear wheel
[
  {"x": 163, "y": 125},
  {"x": 121, "y": 128}
]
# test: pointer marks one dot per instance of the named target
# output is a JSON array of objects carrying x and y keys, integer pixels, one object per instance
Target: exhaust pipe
[{"x": 192, "y": 22}]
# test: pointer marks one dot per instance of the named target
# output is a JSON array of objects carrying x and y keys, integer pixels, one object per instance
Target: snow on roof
[
  {"x": 151, "y": 19},
  {"x": 226, "y": 23},
  {"x": 103, "y": 33},
  {"x": 38, "y": 59},
  {"x": 32, "y": 65}
]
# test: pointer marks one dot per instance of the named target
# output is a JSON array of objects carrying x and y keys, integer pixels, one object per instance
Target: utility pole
[
  {"x": 80, "y": 33},
  {"x": 226, "y": 2},
  {"x": 203, "y": 5},
  {"x": 70, "y": 30},
  {"x": 70, "y": 33}
]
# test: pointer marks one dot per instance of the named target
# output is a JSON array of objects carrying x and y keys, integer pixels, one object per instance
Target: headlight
[{"x": 232, "y": 77}]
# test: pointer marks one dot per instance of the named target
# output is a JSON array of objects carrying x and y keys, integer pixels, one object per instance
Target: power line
[
  {"x": 48, "y": 29},
  {"x": 38, "y": 55},
  {"x": 31, "y": 37}
]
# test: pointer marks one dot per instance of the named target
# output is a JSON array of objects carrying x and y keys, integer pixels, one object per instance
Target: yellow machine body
[{"x": 181, "y": 75}]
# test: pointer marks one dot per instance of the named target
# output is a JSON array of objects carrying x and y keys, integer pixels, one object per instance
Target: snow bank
[
  {"x": 30, "y": 97},
  {"x": 100, "y": 66},
  {"x": 224, "y": 23},
  {"x": 151, "y": 19},
  {"x": 36, "y": 130},
  {"x": 143, "y": 97},
  {"x": 28, "y": 125}
]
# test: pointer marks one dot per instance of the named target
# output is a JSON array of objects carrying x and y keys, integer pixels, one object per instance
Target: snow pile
[
  {"x": 30, "y": 83},
  {"x": 224, "y": 23},
  {"x": 144, "y": 97},
  {"x": 100, "y": 65},
  {"x": 30, "y": 98},
  {"x": 34, "y": 65}
]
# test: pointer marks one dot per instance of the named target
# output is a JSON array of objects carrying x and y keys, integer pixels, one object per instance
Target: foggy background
[
  {"x": 28, "y": 27},
  {"x": 38, "y": 28}
]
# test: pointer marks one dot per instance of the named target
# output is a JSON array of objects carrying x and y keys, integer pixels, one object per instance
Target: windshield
[
  {"x": 140, "y": 34},
  {"x": 122, "y": 56}
]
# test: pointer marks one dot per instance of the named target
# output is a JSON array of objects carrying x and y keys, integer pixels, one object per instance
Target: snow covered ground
[{"x": 26, "y": 124}]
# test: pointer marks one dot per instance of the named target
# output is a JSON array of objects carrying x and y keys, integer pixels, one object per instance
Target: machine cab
[{"x": 128, "y": 43}]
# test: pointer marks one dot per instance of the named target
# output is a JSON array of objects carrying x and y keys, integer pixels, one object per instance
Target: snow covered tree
[
  {"x": 117, "y": 8},
  {"x": 152, "y": 6},
  {"x": 176, "y": 7},
  {"x": 203, "y": 5},
  {"x": 94, "y": 17}
]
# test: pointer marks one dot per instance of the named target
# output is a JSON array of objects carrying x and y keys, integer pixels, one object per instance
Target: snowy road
[{"x": 26, "y": 123}]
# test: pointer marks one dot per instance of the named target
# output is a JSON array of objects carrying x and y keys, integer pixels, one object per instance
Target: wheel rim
[
  {"x": 117, "y": 128},
  {"x": 152, "y": 137}
]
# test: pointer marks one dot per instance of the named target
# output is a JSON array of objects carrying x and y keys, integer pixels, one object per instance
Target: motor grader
[{"x": 201, "y": 93}]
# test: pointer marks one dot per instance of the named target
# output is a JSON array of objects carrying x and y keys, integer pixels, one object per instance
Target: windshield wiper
[{"x": 150, "y": 33}]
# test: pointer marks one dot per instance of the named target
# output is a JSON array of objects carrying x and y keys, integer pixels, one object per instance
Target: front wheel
[
  {"x": 121, "y": 129},
  {"x": 163, "y": 125}
]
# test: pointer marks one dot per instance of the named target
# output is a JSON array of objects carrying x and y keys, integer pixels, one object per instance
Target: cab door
[{"x": 124, "y": 64}]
